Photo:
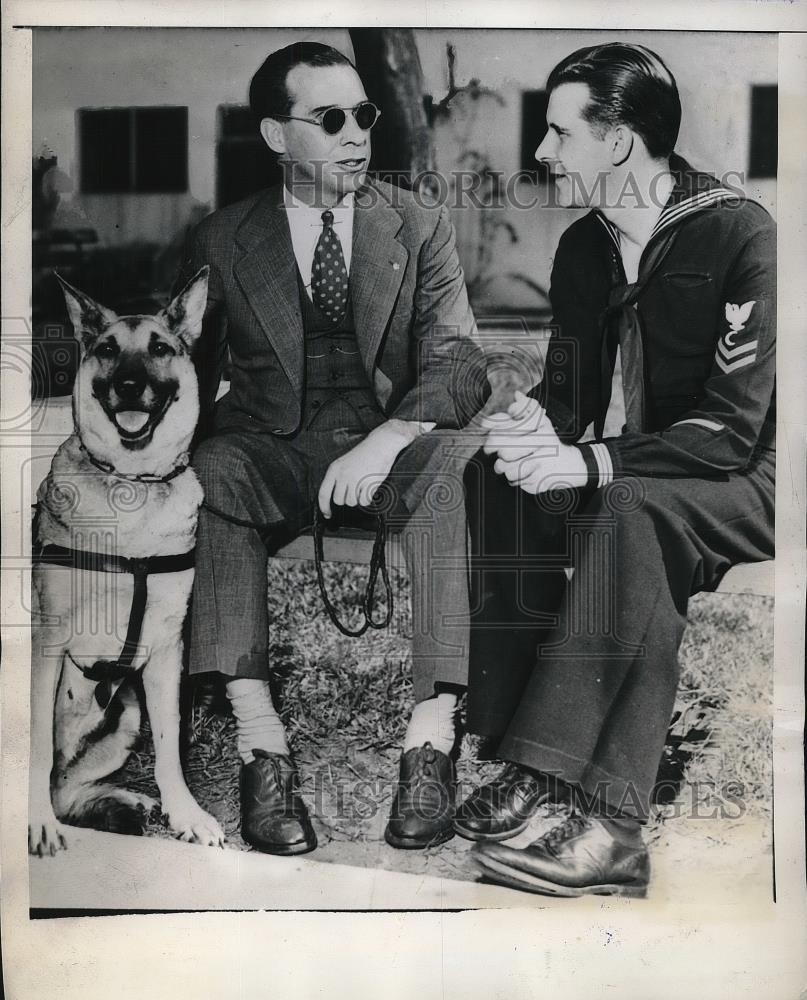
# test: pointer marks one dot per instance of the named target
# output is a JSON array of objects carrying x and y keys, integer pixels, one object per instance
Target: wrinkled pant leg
[
  {"x": 434, "y": 540},
  {"x": 251, "y": 493},
  {"x": 598, "y": 703},
  {"x": 427, "y": 509},
  {"x": 517, "y": 582}
]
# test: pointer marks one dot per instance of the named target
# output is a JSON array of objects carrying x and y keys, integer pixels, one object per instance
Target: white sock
[
  {"x": 433, "y": 721},
  {"x": 258, "y": 724}
]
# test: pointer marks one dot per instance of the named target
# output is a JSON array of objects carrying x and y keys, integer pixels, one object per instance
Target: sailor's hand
[{"x": 529, "y": 453}]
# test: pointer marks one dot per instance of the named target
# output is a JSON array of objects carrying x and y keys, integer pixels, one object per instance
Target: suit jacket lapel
[
  {"x": 378, "y": 262},
  {"x": 267, "y": 274}
]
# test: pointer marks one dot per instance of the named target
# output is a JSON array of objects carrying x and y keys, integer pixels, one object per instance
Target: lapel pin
[{"x": 396, "y": 267}]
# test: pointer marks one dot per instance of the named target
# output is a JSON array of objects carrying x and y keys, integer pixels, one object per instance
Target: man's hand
[
  {"x": 353, "y": 479},
  {"x": 530, "y": 454}
]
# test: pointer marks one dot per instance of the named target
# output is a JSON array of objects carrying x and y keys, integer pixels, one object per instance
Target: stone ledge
[
  {"x": 105, "y": 871},
  {"x": 745, "y": 578}
]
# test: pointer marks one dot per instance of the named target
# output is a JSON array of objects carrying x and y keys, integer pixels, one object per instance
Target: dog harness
[{"x": 110, "y": 674}]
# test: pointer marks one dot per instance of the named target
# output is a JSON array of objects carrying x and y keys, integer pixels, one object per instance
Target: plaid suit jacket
[{"x": 414, "y": 326}]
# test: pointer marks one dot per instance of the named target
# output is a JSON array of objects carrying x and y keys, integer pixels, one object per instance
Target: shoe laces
[
  {"x": 570, "y": 827},
  {"x": 510, "y": 776},
  {"x": 274, "y": 762},
  {"x": 515, "y": 781},
  {"x": 275, "y": 765},
  {"x": 425, "y": 762}
]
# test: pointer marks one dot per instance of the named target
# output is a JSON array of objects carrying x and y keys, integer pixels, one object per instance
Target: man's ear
[
  {"x": 88, "y": 317},
  {"x": 272, "y": 134},
  {"x": 184, "y": 314},
  {"x": 621, "y": 140}
]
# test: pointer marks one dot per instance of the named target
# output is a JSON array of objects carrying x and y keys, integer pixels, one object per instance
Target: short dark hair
[
  {"x": 629, "y": 85},
  {"x": 268, "y": 94}
]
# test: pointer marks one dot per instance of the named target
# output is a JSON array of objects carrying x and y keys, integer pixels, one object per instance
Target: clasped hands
[{"x": 530, "y": 454}]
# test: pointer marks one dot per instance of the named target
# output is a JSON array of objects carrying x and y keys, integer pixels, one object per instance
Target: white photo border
[{"x": 588, "y": 948}]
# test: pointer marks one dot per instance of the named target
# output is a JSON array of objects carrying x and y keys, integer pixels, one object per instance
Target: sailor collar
[{"x": 693, "y": 192}]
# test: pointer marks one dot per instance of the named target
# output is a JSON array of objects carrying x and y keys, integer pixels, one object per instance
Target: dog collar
[{"x": 143, "y": 477}]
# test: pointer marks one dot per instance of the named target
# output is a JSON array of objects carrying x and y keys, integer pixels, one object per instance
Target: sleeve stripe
[
  {"x": 734, "y": 365},
  {"x": 710, "y": 425},
  {"x": 605, "y": 466},
  {"x": 729, "y": 353}
]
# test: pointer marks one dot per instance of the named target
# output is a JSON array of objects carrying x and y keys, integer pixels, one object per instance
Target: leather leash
[{"x": 378, "y": 563}]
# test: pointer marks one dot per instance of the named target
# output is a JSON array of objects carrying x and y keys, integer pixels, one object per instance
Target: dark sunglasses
[{"x": 333, "y": 120}]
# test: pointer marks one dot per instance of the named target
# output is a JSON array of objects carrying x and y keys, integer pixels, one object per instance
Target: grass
[{"x": 346, "y": 703}]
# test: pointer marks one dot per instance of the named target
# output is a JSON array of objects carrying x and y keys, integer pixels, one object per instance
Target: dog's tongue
[{"x": 131, "y": 420}]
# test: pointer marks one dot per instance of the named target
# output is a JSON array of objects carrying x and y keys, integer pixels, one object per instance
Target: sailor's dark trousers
[{"x": 578, "y": 677}]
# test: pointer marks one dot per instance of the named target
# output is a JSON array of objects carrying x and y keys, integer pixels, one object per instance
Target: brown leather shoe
[
  {"x": 423, "y": 808},
  {"x": 577, "y": 857},
  {"x": 274, "y": 818},
  {"x": 502, "y": 808}
]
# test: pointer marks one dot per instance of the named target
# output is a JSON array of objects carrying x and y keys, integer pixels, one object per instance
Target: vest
[{"x": 337, "y": 391}]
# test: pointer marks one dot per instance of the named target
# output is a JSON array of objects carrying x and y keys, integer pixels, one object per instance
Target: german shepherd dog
[{"x": 113, "y": 552}]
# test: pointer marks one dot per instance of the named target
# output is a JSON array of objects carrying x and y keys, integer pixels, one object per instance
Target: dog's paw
[
  {"x": 46, "y": 836},
  {"x": 146, "y": 804},
  {"x": 188, "y": 821}
]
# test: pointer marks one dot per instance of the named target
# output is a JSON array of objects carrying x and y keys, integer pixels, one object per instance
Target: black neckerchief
[{"x": 692, "y": 192}]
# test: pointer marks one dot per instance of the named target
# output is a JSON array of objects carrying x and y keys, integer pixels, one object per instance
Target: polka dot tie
[{"x": 329, "y": 274}]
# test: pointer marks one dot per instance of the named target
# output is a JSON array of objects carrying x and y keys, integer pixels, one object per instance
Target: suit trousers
[
  {"x": 577, "y": 678},
  {"x": 260, "y": 492}
]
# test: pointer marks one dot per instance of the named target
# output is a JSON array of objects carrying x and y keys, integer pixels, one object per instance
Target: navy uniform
[{"x": 673, "y": 502}]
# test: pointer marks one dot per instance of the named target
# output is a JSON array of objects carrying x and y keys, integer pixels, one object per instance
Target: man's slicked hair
[
  {"x": 268, "y": 94},
  {"x": 629, "y": 85}
]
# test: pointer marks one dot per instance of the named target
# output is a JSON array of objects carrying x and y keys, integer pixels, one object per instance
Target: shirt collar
[{"x": 312, "y": 216}]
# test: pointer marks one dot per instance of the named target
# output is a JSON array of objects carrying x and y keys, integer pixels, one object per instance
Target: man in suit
[
  {"x": 674, "y": 275},
  {"x": 342, "y": 305}
]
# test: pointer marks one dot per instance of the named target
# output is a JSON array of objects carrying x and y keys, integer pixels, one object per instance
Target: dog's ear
[
  {"x": 184, "y": 314},
  {"x": 88, "y": 317}
]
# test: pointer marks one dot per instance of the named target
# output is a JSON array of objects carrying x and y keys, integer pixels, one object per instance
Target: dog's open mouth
[
  {"x": 131, "y": 423},
  {"x": 136, "y": 425}
]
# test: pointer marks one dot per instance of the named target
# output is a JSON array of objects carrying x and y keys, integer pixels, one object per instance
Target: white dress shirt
[{"x": 305, "y": 224}]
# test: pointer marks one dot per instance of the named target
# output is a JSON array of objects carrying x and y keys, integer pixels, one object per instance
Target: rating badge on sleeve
[{"x": 731, "y": 355}]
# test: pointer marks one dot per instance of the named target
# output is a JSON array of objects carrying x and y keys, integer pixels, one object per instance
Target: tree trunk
[{"x": 388, "y": 63}]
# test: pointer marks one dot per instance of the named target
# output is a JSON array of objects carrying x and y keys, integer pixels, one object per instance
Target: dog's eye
[
  {"x": 161, "y": 350},
  {"x": 106, "y": 350}
]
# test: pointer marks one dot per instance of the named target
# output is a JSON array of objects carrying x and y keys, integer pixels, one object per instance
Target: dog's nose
[{"x": 129, "y": 384}]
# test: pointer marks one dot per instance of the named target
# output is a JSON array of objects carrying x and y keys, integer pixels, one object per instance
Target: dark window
[
  {"x": 533, "y": 130},
  {"x": 133, "y": 150},
  {"x": 764, "y": 131},
  {"x": 105, "y": 151},
  {"x": 244, "y": 163}
]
